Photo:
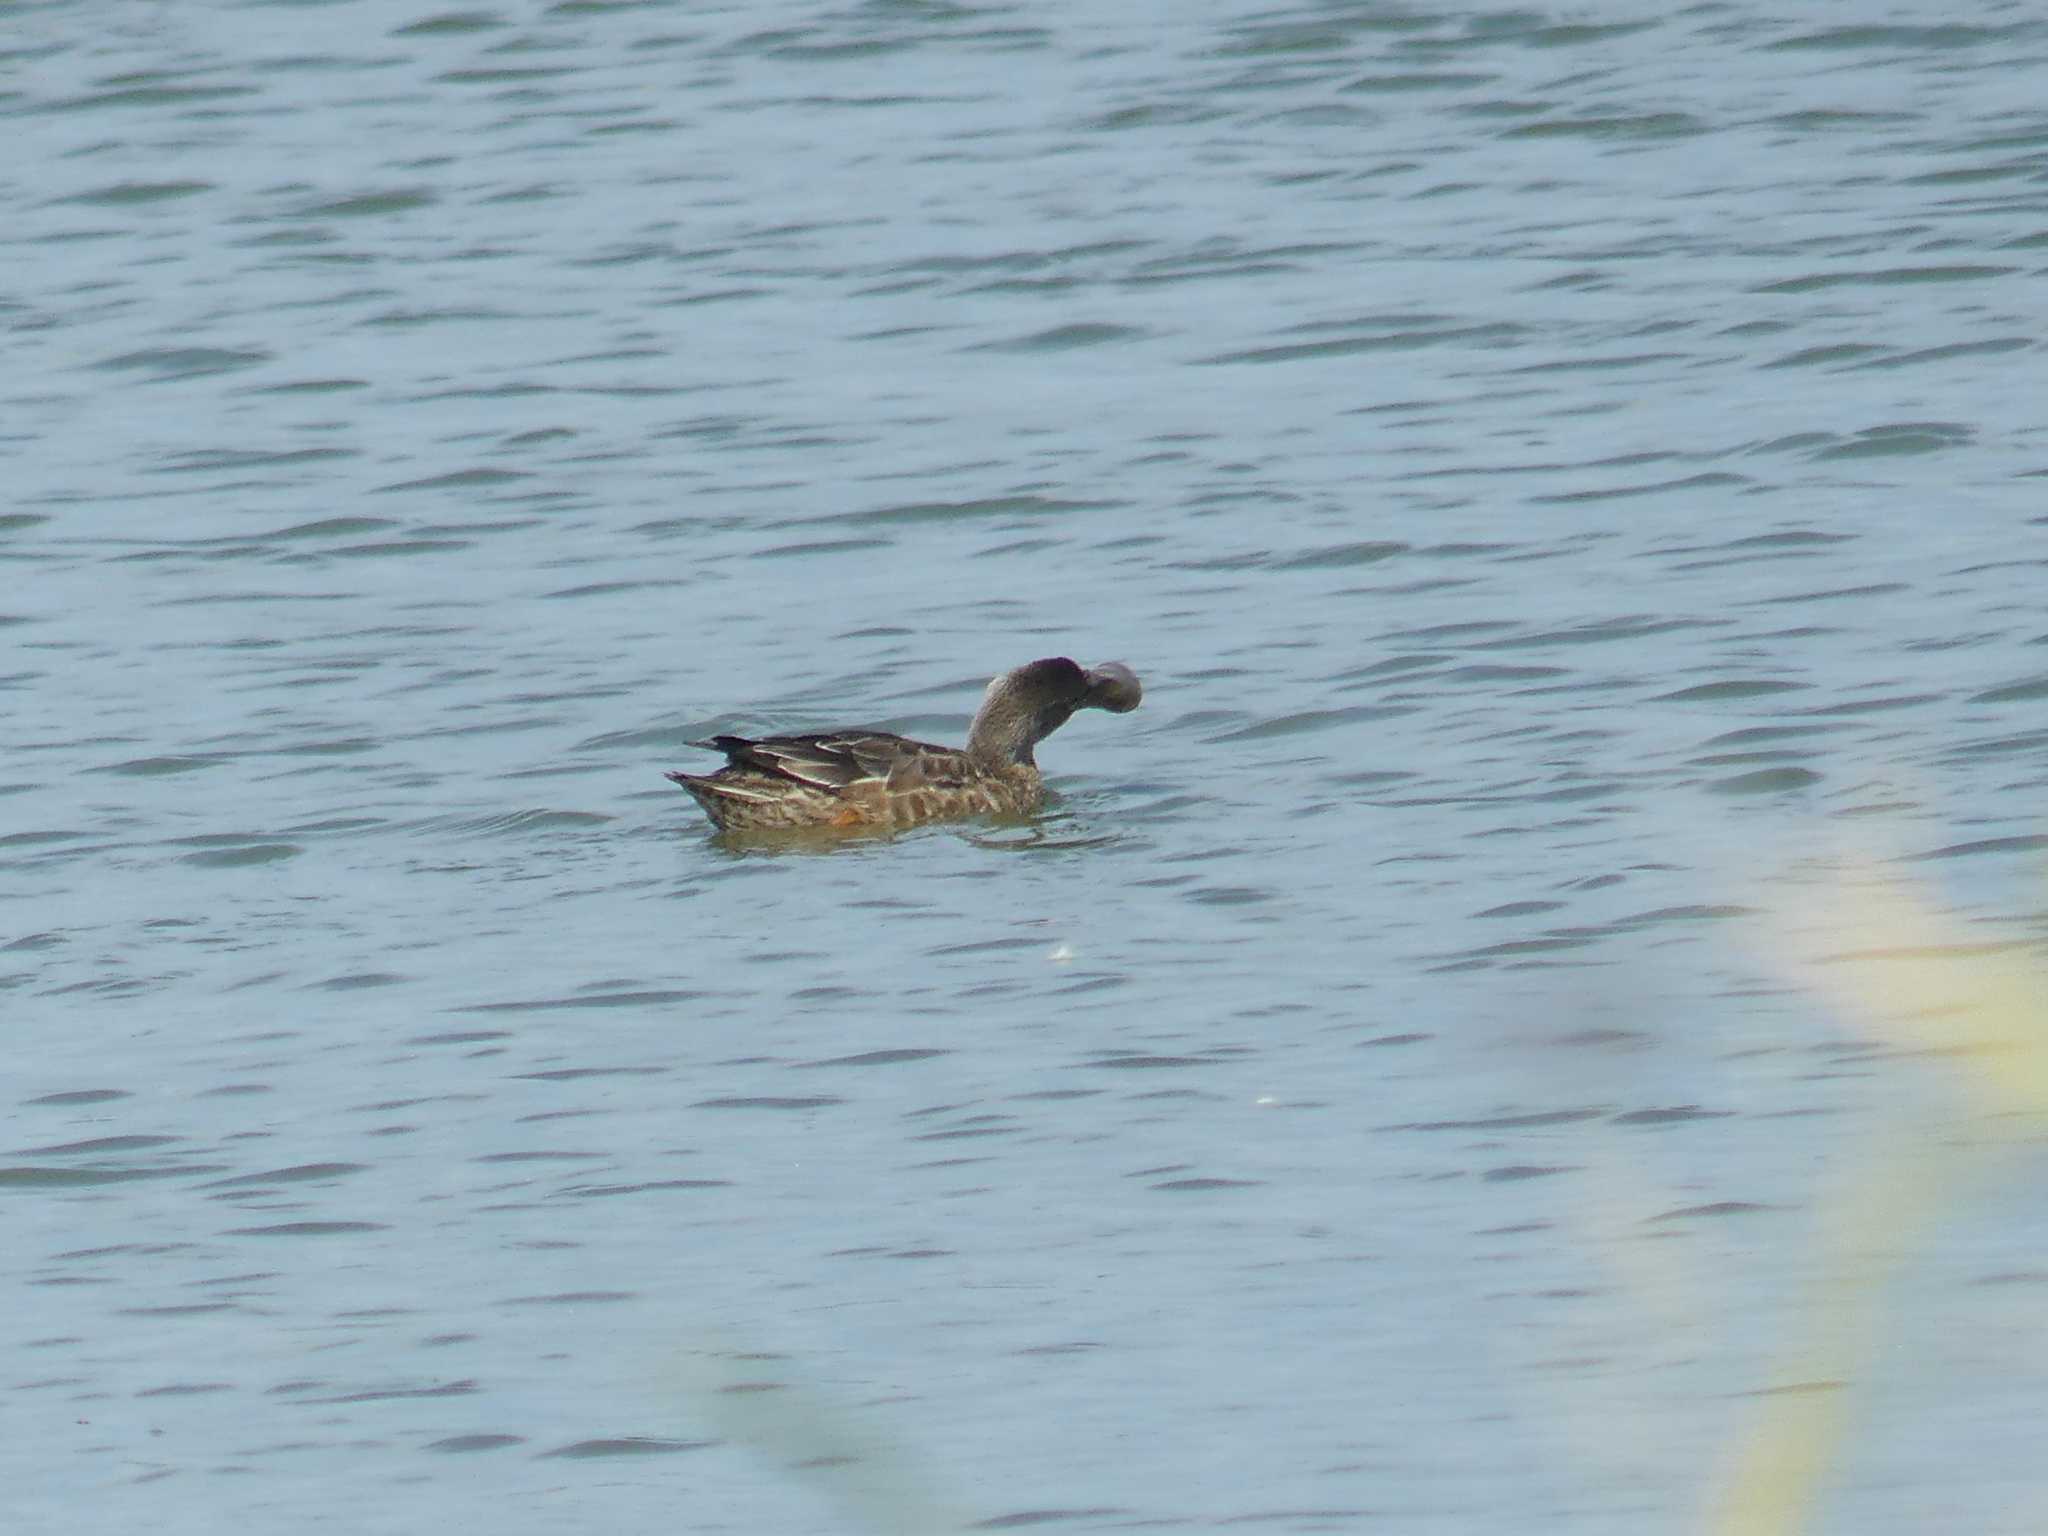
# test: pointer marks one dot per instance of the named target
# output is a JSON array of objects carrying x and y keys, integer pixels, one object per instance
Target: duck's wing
[{"x": 835, "y": 761}]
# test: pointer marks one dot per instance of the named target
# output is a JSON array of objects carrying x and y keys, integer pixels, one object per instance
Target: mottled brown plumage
[{"x": 874, "y": 779}]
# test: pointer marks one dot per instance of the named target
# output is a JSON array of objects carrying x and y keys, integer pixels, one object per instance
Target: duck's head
[{"x": 1023, "y": 707}]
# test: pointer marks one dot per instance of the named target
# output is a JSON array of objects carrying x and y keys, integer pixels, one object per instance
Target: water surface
[{"x": 1560, "y": 475}]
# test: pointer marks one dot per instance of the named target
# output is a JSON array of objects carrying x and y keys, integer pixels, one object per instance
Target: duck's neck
[{"x": 1005, "y": 730}]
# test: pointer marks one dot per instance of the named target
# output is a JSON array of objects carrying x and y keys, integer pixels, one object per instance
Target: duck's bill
[{"x": 1114, "y": 687}]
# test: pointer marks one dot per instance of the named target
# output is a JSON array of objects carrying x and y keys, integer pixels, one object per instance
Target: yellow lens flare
[
  {"x": 1922, "y": 981},
  {"x": 1918, "y": 980}
]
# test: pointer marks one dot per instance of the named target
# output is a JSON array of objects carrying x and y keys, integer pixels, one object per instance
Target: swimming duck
[{"x": 873, "y": 779}]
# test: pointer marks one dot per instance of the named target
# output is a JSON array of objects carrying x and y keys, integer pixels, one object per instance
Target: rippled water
[{"x": 1555, "y": 471}]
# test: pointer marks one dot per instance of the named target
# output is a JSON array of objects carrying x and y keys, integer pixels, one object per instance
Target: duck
[{"x": 873, "y": 779}]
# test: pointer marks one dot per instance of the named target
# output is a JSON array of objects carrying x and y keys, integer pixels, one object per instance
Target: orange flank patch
[{"x": 849, "y": 817}]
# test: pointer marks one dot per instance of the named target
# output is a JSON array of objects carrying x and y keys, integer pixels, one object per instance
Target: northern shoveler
[{"x": 873, "y": 779}]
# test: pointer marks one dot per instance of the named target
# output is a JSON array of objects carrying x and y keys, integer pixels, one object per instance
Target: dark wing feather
[{"x": 831, "y": 761}]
